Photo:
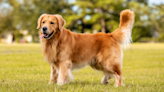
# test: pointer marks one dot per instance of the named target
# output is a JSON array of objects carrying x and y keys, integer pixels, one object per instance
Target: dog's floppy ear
[
  {"x": 39, "y": 20},
  {"x": 61, "y": 21}
]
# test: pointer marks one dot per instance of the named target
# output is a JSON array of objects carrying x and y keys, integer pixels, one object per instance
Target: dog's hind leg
[
  {"x": 118, "y": 75},
  {"x": 65, "y": 74},
  {"x": 114, "y": 68},
  {"x": 53, "y": 75}
]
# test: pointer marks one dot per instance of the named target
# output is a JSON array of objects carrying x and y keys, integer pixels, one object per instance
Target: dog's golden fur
[{"x": 66, "y": 50}]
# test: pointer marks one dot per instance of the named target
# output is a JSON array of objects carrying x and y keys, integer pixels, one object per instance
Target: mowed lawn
[{"x": 23, "y": 69}]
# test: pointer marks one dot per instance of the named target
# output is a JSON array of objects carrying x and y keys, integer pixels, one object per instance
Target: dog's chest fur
[
  {"x": 49, "y": 51},
  {"x": 54, "y": 52}
]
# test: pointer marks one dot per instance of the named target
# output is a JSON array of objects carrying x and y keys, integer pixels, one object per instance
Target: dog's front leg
[
  {"x": 53, "y": 75},
  {"x": 65, "y": 74}
]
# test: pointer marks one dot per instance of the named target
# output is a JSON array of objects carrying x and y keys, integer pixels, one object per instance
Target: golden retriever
[{"x": 65, "y": 50}]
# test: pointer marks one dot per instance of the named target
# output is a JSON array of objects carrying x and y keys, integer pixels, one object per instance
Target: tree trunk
[
  {"x": 102, "y": 21},
  {"x": 83, "y": 26}
]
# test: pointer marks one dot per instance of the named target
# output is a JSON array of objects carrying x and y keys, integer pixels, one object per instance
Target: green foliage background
[{"x": 83, "y": 16}]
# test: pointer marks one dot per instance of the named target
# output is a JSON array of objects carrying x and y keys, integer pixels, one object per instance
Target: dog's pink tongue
[{"x": 42, "y": 35}]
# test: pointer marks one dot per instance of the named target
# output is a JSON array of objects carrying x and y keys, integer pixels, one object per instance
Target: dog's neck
[{"x": 52, "y": 46}]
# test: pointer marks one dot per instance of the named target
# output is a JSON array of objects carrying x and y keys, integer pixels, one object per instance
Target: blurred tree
[
  {"x": 139, "y": 1},
  {"x": 83, "y": 16},
  {"x": 6, "y": 24},
  {"x": 26, "y": 12},
  {"x": 6, "y": 21},
  {"x": 92, "y": 14},
  {"x": 157, "y": 20},
  {"x": 142, "y": 25}
]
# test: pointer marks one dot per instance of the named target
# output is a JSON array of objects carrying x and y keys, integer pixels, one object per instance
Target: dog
[{"x": 65, "y": 50}]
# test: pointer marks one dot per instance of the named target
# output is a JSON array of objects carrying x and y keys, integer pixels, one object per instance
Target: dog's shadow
[{"x": 85, "y": 83}]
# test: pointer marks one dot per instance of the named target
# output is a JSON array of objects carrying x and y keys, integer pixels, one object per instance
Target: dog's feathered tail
[{"x": 123, "y": 33}]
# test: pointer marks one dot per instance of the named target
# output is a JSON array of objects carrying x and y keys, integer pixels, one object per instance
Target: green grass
[{"x": 22, "y": 69}]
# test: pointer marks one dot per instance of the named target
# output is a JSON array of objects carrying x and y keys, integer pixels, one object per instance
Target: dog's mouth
[{"x": 47, "y": 36}]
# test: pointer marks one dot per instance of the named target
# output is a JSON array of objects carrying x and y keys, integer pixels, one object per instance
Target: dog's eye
[
  {"x": 52, "y": 22},
  {"x": 43, "y": 21}
]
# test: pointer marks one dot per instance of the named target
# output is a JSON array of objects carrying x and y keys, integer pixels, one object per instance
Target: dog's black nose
[{"x": 44, "y": 29}]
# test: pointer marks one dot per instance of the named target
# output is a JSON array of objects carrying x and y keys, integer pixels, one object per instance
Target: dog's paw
[
  {"x": 60, "y": 83},
  {"x": 119, "y": 85},
  {"x": 51, "y": 82},
  {"x": 123, "y": 85},
  {"x": 104, "y": 82},
  {"x": 116, "y": 86}
]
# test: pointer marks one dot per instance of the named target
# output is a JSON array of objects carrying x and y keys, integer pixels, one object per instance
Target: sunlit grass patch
[{"x": 22, "y": 68}]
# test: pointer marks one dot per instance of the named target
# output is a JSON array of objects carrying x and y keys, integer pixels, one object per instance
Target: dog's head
[{"x": 50, "y": 24}]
